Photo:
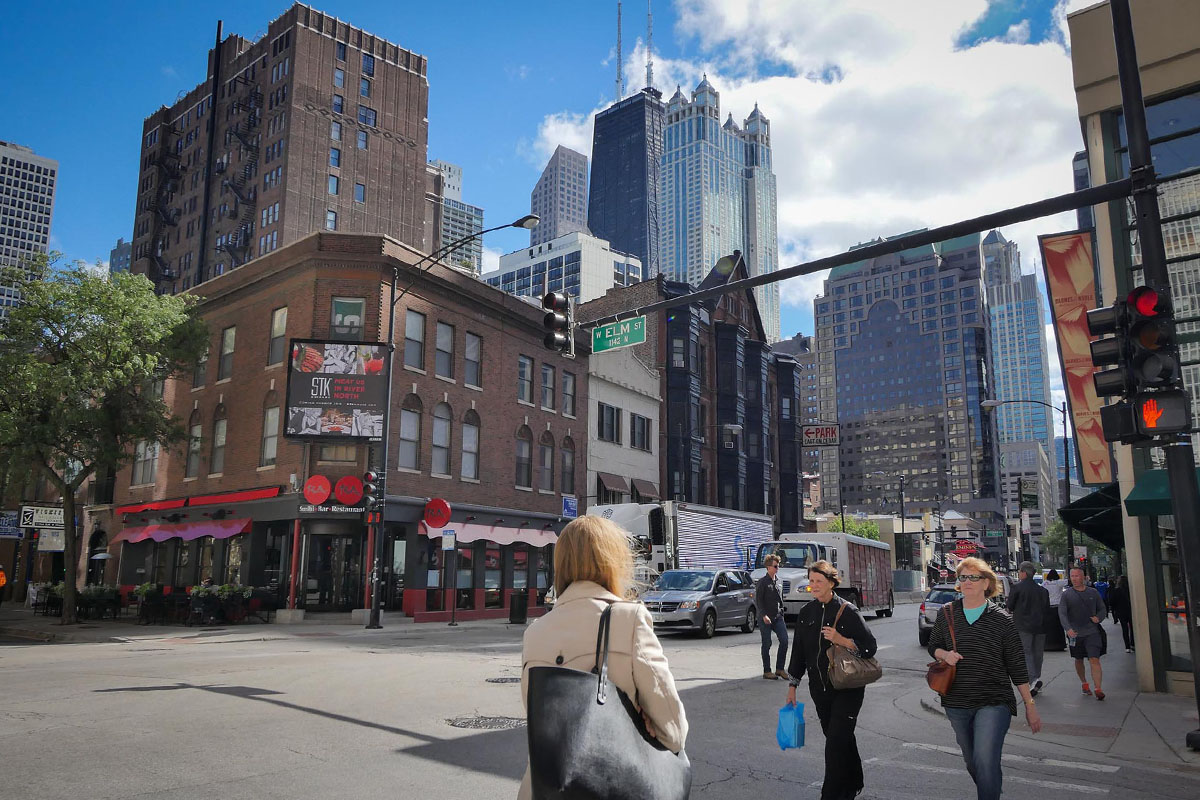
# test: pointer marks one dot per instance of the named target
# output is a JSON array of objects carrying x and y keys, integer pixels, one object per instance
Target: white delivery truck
[
  {"x": 688, "y": 536},
  {"x": 865, "y": 567}
]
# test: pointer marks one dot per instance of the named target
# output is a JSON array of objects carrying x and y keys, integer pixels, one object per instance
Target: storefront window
[
  {"x": 520, "y": 559},
  {"x": 492, "y": 596},
  {"x": 182, "y": 575},
  {"x": 206, "y": 558},
  {"x": 543, "y": 573},
  {"x": 233, "y": 559},
  {"x": 433, "y": 576},
  {"x": 272, "y": 572},
  {"x": 1174, "y": 603},
  {"x": 162, "y": 563},
  {"x": 465, "y": 588}
]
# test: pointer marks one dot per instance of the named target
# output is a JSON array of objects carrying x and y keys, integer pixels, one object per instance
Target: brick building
[
  {"x": 482, "y": 416},
  {"x": 317, "y": 125}
]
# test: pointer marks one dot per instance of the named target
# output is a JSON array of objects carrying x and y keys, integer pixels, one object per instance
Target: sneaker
[
  {"x": 1128, "y": 649},
  {"x": 770, "y": 676},
  {"x": 783, "y": 675},
  {"x": 1087, "y": 689},
  {"x": 1033, "y": 692},
  {"x": 1037, "y": 686},
  {"x": 1099, "y": 695}
]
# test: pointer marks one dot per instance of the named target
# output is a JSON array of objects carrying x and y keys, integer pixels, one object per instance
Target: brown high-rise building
[{"x": 317, "y": 125}]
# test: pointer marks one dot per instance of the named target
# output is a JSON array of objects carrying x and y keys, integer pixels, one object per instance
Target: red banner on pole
[{"x": 1071, "y": 283}]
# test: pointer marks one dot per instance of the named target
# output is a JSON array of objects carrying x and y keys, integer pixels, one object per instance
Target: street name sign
[
  {"x": 42, "y": 517},
  {"x": 614, "y": 335},
  {"x": 820, "y": 435}
]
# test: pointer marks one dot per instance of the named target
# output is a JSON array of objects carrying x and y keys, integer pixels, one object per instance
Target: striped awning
[{"x": 187, "y": 531}]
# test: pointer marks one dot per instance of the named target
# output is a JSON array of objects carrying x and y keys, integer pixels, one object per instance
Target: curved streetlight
[
  {"x": 528, "y": 222},
  {"x": 988, "y": 405}
]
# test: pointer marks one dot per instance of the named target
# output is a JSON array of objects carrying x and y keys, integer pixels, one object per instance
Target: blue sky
[{"x": 887, "y": 116}]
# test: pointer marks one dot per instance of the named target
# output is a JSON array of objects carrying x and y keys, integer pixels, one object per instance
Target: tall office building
[
  {"x": 1083, "y": 180},
  {"x": 317, "y": 125},
  {"x": 582, "y": 265},
  {"x": 120, "y": 258},
  {"x": 904, "y": 364},
  {"x": 459, "y": 220},
  {"x": 623, "y": 198},
  {"x": 560, "y": 197},
  {"x": 27, "y": 183},
  {"x": 718, "y": 195}
]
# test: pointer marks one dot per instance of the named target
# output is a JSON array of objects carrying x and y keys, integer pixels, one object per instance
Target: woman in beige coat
[{"x": 593, "y": 568}]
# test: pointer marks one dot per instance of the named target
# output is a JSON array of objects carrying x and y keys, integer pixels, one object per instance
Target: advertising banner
[
  {"x": 1071, "y": 284},
  {"x": 336, "y": 391},
  {"x": 1029, "y": 493},
  {"x": 10, "y": 525}
]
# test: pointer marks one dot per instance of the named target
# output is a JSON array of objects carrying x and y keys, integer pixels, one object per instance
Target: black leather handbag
[{"x": 587, "y": 741}]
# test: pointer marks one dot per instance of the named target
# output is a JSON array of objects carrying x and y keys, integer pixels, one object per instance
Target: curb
[
  {"x": 35, "y": 636},
  {"x": 936, "y": 710}
]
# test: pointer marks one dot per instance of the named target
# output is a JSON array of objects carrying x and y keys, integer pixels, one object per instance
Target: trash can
[{"x": 518, "y": 607}]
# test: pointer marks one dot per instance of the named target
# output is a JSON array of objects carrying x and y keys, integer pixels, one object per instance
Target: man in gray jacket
[
  {"x": 1080, "y": 611},
  {"x": 1029, "y": 604}
]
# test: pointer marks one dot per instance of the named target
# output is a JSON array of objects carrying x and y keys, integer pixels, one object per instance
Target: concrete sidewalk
[{"x": 1128, "y": 724}]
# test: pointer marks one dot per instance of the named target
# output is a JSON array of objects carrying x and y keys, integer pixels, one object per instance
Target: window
[
  {"x": 639, "y": 432},
  {"x": 216, "y": 462},
  {"x": 339, "y": 78},
  {"x": 443, "y": 360},
  {"x": 331, "y": 220},
  {"x": 364, "y": 87},
  {"x": 367, "y": 115},
  {"x": 567, "y": 473},
  {"x": 525, "y": 379},
  {"x": 340, "y": 48},
  {"x": 547, "y": 387},
  {"x": 201, "y": 371},
  {"x": 410, "y": 433},
  {"x": 368, "y": 65},
  {"x": 278, "y": 331},
  {"x": 360, "y": 193},
  {"x": 362, "y": 140},
  {"x": 568, "y": 393},
  {"x": 546, "y": 462},
  {"x": 270, "y": 436},
  {"x": 145, "y": 463},
  {"x": 441, "y": 440},
  {"x": 473, "y": 361},
  {"x": 414, "y": 340},
  {"x": 333, "y": 185},
  {"x": 195, "y": 435},
  {"x": 678, "y": 354},
  {"x": 225, "y": 365},
  {"x": 470, "y": 446},
  {"x": 608, "y": 423},
  {"x": 346, "y": 321},
  {"x": 339, "y": 104},
  {"x": 524, "y": 458},
  {"x": 335, "y": 157},
  {"x": 335, "y": 131},
  {"x": 346, "y": 453}
]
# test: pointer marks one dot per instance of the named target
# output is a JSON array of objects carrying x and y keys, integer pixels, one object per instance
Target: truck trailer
[{"x": 864, "y": 565}]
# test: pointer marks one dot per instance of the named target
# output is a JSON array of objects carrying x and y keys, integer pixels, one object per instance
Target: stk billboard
[{"x": 336, "y": 391}]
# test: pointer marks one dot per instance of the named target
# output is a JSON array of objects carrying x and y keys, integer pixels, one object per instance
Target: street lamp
[
  {"x": 903, "y": 526},
  {"x": 988, "y": 405},
  {"x": 529, "y": 221},
  {"x": 729, "y": 428}
]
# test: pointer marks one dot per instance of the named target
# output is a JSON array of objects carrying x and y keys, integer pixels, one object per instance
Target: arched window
[
  {"x": 195, "y": 434},
  {"x": 441, "y": 439},
  {"x": 470, "y": 446},
  {"x": 270, "y": 430},
  {"x": 216, "y": 463},
  {"x": 546, "y": 462},
  {"x": 410, "y": 433},
  {"x": 525, "y": 457},
  {"x": 567, "y": 471}
]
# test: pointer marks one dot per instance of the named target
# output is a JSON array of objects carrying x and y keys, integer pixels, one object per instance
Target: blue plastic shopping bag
[{"x": 790, "y": 732}]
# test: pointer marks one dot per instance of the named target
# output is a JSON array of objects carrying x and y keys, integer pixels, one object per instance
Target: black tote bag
[{"x": 587, "y": 741}]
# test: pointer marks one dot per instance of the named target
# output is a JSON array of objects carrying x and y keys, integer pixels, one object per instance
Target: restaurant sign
[{"x": 336, "y": 390}]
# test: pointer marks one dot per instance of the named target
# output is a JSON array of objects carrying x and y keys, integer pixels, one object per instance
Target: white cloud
[
  {"x": 1018, "y": 34},
  {"x": 491, "y": 260},
  {"x": 563, "y": 127},
  {"x": 97, "y": 267}
]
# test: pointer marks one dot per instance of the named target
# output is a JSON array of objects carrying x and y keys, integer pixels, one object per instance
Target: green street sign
[{"x": 614, "y": 335}]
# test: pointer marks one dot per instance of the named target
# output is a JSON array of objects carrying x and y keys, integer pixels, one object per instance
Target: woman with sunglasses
[
  {"x": 986, "y": 652},
  {"x": 824, "y": 621}
]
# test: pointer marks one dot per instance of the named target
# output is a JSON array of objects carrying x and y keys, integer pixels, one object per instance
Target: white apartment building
[
  {"x": 581, "y": 264},
  {"x": 624, "y": 442}
]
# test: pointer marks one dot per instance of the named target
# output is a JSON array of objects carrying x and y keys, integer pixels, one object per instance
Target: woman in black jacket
[
  {"x": 1118, "y": 601},
  {"x": 837, "y": 709}
]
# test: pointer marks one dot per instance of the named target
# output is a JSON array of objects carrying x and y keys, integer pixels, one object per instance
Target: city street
[{"x": 430, "y": 711}]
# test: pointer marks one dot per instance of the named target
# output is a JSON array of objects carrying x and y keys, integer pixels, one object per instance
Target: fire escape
[
  {"x": 244, "y": 184},
  {"x": 170, "y": 176}
]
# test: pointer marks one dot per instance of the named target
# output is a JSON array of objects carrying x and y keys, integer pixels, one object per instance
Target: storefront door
[{"x": 333, "y": 573}]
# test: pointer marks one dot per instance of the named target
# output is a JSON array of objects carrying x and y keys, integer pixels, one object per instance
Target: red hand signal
[{"x": 1151, "y": 412}]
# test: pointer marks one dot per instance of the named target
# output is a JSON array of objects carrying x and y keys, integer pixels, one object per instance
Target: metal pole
[
  {"x": 1066, "y": 490},
  {"x": 1185, "y": 505},
  {"x": 376, "y": 531},
  {"x": 904, "y": 528},
  {"x": 454, "y": 587}
]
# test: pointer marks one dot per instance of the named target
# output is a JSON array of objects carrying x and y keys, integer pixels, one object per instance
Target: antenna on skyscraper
[
  {"x": 649, "y": 46},
  {"x": 620, "y": 76}
]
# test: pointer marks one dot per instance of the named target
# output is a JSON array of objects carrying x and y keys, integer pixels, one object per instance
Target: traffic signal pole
[{"x": 1181, "y": 464}]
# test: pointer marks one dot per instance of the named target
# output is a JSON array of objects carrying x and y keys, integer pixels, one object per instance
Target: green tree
[
  {"x": 84, "y": 357},
  {"x": 1054, "y": 545},
  {"x": 866, "y": 528}
]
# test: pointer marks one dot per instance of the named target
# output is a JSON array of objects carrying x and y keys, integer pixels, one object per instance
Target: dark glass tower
[{"x": 627, "y": 148}]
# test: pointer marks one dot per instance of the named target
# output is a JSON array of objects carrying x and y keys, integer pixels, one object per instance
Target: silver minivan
[{"x": 703, "y": 600}]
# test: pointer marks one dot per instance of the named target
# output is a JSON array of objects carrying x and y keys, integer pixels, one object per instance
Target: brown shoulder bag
[{"x": 940, "y": 675}]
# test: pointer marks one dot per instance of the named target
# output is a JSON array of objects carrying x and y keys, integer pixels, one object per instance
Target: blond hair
[
  {"x": 830, "y": 572},
  {"x": 980, "y": 566},
  {"x": 770, "y": 559},
  {"x": 593, "y": 549}
]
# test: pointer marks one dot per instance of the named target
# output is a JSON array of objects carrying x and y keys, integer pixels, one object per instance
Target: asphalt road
[{"x": 409, "y": 712}]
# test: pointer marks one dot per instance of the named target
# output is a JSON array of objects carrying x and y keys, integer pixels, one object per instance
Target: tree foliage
[
  {"x": 83, "y": 357},
  {"x": 1054, "y": 544},
  {"x": 866, "y": 528}
]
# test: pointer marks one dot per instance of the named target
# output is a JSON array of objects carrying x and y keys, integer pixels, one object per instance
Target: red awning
[
  {"x": 156, "y": 505},
  {"x": 217, "y": 528}
]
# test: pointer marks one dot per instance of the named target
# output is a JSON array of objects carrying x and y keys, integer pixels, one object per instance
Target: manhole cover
[
  {"x": 503, "y": 680},
  {"x": 487, "y": 723}
]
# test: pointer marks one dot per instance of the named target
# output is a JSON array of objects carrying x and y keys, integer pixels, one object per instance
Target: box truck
[{"x": 864, "y": 565}]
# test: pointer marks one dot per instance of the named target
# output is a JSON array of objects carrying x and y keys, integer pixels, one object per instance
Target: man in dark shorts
[{"x": 1080, "y": 611}]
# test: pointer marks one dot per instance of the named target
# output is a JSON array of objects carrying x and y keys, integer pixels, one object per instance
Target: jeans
[
  {"x": 1034, "y": 645},
  {"x": 980, "y": 733},
  {"x": 780, "y": 628},
  {"x": 838, "y": 711}
]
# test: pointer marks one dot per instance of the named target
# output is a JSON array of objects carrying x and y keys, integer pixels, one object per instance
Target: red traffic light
[
  {"x": 1147, "y": 302},
  {"x": 556, "y": 301}
]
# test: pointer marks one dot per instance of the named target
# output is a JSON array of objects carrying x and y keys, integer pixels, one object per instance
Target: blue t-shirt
[{"x": 973, "y": 614}]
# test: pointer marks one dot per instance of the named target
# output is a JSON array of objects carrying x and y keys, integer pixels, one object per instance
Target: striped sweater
[{"x": 993, "y": 660}]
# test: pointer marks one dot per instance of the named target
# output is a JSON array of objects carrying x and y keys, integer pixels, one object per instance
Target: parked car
[
  {"x": 703, "y": 600},
  {"x": 938, "y": 596}
]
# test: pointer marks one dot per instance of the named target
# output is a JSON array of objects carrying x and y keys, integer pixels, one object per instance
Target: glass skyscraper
[{"x": 718, "y": 195}]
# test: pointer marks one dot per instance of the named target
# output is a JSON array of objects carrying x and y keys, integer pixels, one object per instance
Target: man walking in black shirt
[
  {"x": 1029, "y": 605},
  {"x": 768, "y": 599}
]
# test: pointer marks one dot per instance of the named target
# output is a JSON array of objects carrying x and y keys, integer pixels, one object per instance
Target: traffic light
[
  {"x": 1112, "y": 352},
  {"x": 559, "y": 323},
  {"x": 372, "y": 495},
  {"x": 1153, "y": 353},
  {"x": 1159, "y": 413}
]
